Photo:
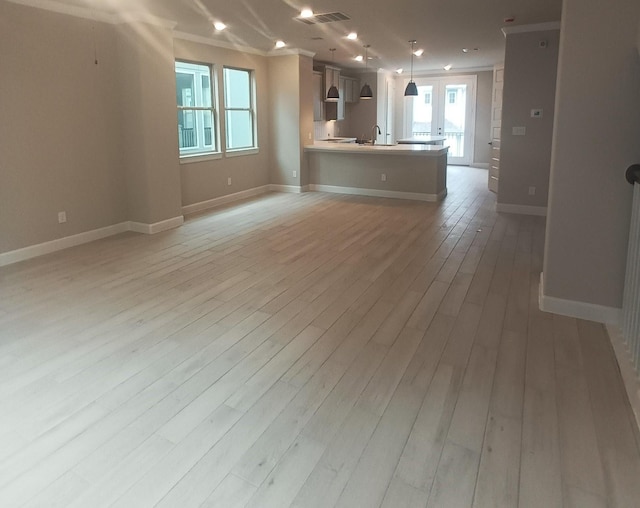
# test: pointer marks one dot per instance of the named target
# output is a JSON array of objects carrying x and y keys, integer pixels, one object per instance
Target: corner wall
[
  {"x": 596, "y": 137},
  {"x": 529, "y": 83}
]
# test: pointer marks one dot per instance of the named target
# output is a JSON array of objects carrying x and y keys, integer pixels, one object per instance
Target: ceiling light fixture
[
  {"x": 465, "y": 50},
  {"x": 280, "y": 44},
  {"x": 219, "y": 26},
  {"x": 366, "y": 92},
  {"x": 418, "y": 52},
  {"x": 352, "y": 36},
  {"x": 412, "y": 89},
  {"x": 332, "y": 94},
  {"x": 447, "y": 67},
  {"x": 358, "y": 58},
  {"x": 306, "y": 13},
  {"x": 399, "y": 71}
]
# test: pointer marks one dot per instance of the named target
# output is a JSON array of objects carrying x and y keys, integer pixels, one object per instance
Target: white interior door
[{"x": 444, "y": 106}]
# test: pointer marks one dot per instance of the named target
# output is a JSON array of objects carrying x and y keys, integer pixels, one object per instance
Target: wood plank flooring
[{"x": 309, "y": 350}]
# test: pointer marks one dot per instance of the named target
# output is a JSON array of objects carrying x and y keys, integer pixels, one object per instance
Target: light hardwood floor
[{"x": 309, "y": 350}]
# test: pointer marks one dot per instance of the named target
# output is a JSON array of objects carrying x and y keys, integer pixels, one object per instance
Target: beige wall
[
  {"x": 529, "y": 83},
  {"x": 363, "y": 115},
  {"x": 147, "y": 80},
  {"x": 596, "y": 137},
  {"x": 206, "y": 180},
  {"x": 284, "y": 83},
  {"x": 305, "y": 69},
  {"x": 60, "y": 145}
]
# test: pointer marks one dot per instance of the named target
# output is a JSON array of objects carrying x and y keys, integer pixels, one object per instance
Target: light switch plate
[{"x": 518, "y": 131}]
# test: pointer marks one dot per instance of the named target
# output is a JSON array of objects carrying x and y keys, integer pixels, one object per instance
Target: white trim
[
  {"x": 219, "y": 44},
  {"x": 290, "y": 51},
  {"x": 242, "y": 151},
  {"x": 580, "y": 310},
  {"x": 379, "y": 193},
  {"x": 540, "y": 211},
  {"x": 32, "y": 251},
  {"x": 201, "y": 157},
  {"x": 536, "y": 27},
  {"x": 212, "y": 203},
  {"x": 630, "y": 377},
  {"x": 274, "y": 187},
  {"x": 156, "y": 227},
  {"x": 97, "y": 15},
  {"x": 69, "y": 10},
  {"x": 40, "y": 249}
]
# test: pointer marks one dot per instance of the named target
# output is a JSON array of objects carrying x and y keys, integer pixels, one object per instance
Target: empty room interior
[{"x": 271, "y": 253}]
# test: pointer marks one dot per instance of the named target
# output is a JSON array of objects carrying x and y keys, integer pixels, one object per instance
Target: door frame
[{"x": 439, "y": 83}]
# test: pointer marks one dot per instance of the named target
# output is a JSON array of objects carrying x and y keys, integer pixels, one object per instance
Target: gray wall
[
  {"x": 529, "y": 83},
  {"x": 206, "y": 180},
  {"x": 60, "y": 143},
  {"x": 596, "y": 137}
]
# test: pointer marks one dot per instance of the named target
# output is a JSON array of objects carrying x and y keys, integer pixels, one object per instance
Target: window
[
  {"x": 427, "y": 98},
  {"x": 453, "y": 95},
  {"x": 196, "y": 113},
  {"x": 239, "y": 109}
]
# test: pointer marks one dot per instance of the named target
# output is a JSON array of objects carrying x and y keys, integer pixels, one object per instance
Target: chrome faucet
[{"x": 373, "y": 133}]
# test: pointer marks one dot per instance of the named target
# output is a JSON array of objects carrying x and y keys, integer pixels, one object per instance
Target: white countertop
[
  {"x": 423, "y": 140},
  {"x": 420, "y": 150}
]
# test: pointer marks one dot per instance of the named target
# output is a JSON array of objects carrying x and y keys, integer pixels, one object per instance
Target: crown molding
[
  {"x": 185, "y": 36},
  {"x": 290, "y": 51},
  {"x": 69, "y": 10},
  {"x": 96, "y": 15},
  {"x": 537, "y": 27}
]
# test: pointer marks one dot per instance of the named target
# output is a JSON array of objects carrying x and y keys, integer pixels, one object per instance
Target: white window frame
[
  {"x": 253, "y": 149},
  {"x": 202, "y": 152}
]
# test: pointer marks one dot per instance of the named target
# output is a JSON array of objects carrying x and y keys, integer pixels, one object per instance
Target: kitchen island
[{"x": 416, "y": 172}]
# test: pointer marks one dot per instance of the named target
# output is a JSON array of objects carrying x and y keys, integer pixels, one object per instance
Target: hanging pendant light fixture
[
  {"x": 411, "y": 89},
  {"x": 332, "y": 94},
  {"x": 366, "y": 92}
]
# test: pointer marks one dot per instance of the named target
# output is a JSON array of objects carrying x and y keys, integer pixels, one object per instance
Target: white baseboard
[
  {"x": 274, "y": 187},
  {"x": 540, "y": 211},
  {"x": 32, "y": 251},
  {"x": 580, "y": 310},
  {"x": 156, "y": 227},
  {"x": 630, "y": 377},
  {"x": 416, "y": 196},
  {"x": 222, "y": 200}
]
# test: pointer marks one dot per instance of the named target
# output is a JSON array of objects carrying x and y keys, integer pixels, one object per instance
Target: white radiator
[{"x": 631, "y": 303}]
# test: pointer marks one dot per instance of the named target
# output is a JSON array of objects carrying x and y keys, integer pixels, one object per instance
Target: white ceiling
[{"x": 442, "y": 28}]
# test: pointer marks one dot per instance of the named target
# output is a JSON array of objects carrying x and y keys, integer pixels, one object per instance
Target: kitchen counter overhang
[{"x": 416, "y": 172}]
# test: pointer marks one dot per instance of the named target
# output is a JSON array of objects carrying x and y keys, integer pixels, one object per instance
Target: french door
[{"x": 444, "y": 106}]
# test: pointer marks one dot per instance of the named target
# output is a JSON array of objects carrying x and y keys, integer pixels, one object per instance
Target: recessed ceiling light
[
  {"x": 399, "y": 71},
  {"x": 306, "y": 13},
  {"x": 353, "y": 36},
  {"x": 447, "y": 67},
  {"x": 219, "y": 26},
  {"x": 280, "y": 44},
  {"x": 418, "y": 52},
  {"x": 359, "y": 58},
  {"x": 465, "y": 50}
]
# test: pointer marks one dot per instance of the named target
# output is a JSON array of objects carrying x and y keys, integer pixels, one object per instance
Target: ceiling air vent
[{"x": 329, "y": 17}]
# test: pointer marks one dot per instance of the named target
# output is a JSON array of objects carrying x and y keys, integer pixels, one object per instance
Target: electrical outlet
[
  {"x": 532, "y": 191},
  {"x": 295, "y": 173},
  {"x": 309, "y": 135},
  {"x": 229, "y": 181},
  {"x": 383, "y": 177},
  {"x": 62, "y": 217}
]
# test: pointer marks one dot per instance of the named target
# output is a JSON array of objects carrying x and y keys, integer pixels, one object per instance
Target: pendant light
[
  {"x": 411, "y": 89},
  {"x": 332, "y": 95},
  {"x": 366, "y": 92}
]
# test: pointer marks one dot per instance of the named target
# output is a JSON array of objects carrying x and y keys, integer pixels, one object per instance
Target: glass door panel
[{"x": 455, "y": 117}]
